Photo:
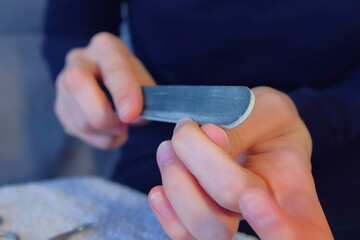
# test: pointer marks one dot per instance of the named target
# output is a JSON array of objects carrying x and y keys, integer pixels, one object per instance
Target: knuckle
[
  {"x": 183, "y": 134},
  {"x": 237, "y": 139},
  {"x": 291, "y": 160},
  {"x": 74, "y": 55},
  {"x": 116, "y": 64},
  {"x": 102, "y": 40},
  {"x": 106, "y": 43},
  {"x": 73, "y": 78},
  {"x": 290, "y": 155},
  {"x": 292, "y": 166},
  {"x": 229, "y": 194},
  {"x": 112, "y": 142},
  {"x": 214, "y": 229},
  {"x": 286, "y": 111},
  {"x": 100, "y": 121},
  {"x": 85, "y": 127},
  {"x": 178, "y": 233}
]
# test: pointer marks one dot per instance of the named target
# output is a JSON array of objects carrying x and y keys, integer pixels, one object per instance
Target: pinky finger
[
  {"x": 271, "y": 222},
  {"x": 166, "y": 215},
  {"x": 266, "y": 217}
]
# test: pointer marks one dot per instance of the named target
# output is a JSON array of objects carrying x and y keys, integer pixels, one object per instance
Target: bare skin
[
  {"x": 208, "y": 188},
  {"x": 81, "y": 105},
  {"x": 259, "y": 171}
]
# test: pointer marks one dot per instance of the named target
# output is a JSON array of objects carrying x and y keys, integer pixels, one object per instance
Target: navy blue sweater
[{"x": 309, "y": 49}]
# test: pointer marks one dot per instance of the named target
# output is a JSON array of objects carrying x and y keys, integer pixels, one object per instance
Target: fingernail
[
  {"x": 126, "y": 107},
  {"x": 255, "y": 209},
  {"x": 227, "y": 140},
  {"x": 166, "y": 153},
  {"x": 158, "y": 201},
  {"x": 182, "y": 122}
]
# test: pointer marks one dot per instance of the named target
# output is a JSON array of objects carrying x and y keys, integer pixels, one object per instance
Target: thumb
[
  {"x": 274, "y": 115},
  {"x": 265, "y": 216}
]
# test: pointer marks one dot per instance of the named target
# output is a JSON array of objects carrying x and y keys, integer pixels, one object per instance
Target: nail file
[{"x": 227, "y": 106}]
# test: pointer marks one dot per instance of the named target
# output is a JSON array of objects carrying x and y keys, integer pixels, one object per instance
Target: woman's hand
[
  {"x": 82, "y": 106},
  {"x": 259, "y": 171}
]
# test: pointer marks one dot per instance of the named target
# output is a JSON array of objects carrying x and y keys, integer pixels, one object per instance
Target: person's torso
[{"x": 283, "y": 44}]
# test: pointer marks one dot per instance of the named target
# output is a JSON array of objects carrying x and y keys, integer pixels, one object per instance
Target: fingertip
[
  {"x": 159, "y": 202},
  {"x": 182, "y": 122},
  {"x": 129, "y": 109},
  {"x": 166, "y": 215},
  {"x": 165, "y": 153},
  {"x": 257, "y": 207}
]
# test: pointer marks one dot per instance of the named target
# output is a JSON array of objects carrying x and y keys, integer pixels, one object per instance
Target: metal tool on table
[
  {"x": 227, "y": 106},
  {"x": 6, "y": 234},
  {"x": 77, "y": 230}
]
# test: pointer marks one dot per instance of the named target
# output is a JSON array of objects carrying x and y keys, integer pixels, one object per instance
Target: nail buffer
[{"x": 227, "y": 106}]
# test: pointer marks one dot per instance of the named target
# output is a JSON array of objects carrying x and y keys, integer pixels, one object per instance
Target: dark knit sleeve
[{"x": 332, "y": 115}]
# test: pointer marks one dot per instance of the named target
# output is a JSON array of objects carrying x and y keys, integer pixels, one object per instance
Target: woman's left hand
[{"x": 259, "y": 171}]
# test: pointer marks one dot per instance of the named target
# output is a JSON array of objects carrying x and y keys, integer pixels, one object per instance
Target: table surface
[{"x": 45, "y": 209}]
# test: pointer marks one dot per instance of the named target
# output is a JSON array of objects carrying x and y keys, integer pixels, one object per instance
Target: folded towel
[{"x": 42, "y": 210}]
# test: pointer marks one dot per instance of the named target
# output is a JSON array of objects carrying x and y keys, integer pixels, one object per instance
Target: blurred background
[{"x": 33, "y": 145}]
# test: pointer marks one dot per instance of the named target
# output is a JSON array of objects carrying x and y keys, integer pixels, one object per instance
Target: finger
[
  {"x": 217, "y": 135},
  {"x": 274, "y": 115},
  {"x": 292, "y": 184},
  {"x": 72, "y": 115},
  {"x": 215, "y": 170},
  {"x": 69, "y": 114},
  {"x": 272, "y": 221},
  {"x": 61, "y": 111},
  {"x": 201, "y": 216},
  {"x": 265, "y": 216},
  {"x": 119, "y": 75},
  {"x": 143, "y": 76},
  {"x": 99, "y": 140},
  {"x": 166, "y": 215},
  {"x": 78, "y": 79},
  {"x": 103, "y": 141},
  {"x": 77, "y": 126}
]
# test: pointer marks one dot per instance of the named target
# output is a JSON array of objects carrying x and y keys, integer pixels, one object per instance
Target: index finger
[
  {"x": 118, "y": 74},
  {"x": 215, "y": 170}
]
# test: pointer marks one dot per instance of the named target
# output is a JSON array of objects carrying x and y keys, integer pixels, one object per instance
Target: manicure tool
[
  {"x": 6, "y": 234},
  {"x": 227, "y": 106},
  {"x": 67, "y": 235}
]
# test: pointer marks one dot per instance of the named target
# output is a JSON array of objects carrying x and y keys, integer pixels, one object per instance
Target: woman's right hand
[{"x": 82, "y": 106}]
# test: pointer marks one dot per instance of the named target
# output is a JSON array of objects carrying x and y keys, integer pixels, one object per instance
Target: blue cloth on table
[{"x": 44, "y": 209}]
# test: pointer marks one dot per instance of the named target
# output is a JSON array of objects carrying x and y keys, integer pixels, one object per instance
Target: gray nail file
[{"x": 227, "y": 106}]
